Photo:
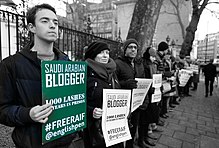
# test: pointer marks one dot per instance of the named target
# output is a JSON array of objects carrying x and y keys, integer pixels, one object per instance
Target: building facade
[
  {"x": 208, "y": 48},
  {"x": 103, "y": 20}
]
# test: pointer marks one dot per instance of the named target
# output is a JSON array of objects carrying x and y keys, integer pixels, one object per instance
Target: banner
[
  {"x": 116, "y": 105},
  {"x": 138, "y": 94},
  {"x": 184, "y": 76},
  {"x": 64, "y": 86}
]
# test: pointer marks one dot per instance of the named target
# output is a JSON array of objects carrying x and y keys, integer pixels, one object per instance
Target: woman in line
[{"x": 100, "y": 75}]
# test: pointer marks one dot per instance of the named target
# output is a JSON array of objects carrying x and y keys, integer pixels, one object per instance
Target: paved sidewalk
[{"x": 192, "y": 124}]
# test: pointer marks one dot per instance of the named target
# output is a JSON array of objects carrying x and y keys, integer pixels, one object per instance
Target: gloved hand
[{"x": 131, "y": 83}]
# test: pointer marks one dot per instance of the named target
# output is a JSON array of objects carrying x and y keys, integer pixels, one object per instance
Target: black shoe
[
  {"x": 151, "y": 136},
  {"x": 206, "y": 95},
  {"x": 160, "y": 123},
  {"x": 149, "y": 142},
  {"x": 188, "y": 95},
  {"x": 142, "y": 144},
  {"x": 176, "y": 102},
  {"x": 210, "y": 94},
  {"x": 193, "y": 89},
  {"x": 157, "y": 130},
  {"x": 164, "y": 116},
  {"x": 172, "y": 106}
]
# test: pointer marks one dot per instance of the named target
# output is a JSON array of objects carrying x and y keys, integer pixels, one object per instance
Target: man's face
[
  {"x": 131, "y": 50},
  {"x": 46, "y": 25}
]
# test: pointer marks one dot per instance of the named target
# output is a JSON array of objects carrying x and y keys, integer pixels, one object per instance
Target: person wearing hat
[
  {"x": 161, "y": 68},
  {"x": 100, "y": 75},
  {"x": 127, "y": 69},
  {"x": 150, "y": 115}
]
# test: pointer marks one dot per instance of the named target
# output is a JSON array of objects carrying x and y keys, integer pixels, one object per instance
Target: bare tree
[
  {"x": 177, "y": 5},
  {"x": 197, "y": 8},
  {"x": 75, "y": 13},
  {"x": 144, "y": 21}
]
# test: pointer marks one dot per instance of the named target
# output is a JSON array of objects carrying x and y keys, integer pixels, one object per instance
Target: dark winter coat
[
  {"x": 95, "y": 86},
  {"x": 125, "y": 71},
  {"x": 210, "y": 71},
  {"x": 20, "y": 90}
]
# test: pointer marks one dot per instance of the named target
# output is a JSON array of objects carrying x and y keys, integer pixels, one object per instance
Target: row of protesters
[
  {"x": 21, "y": 103},
  {"x": 20, "y": 83}
]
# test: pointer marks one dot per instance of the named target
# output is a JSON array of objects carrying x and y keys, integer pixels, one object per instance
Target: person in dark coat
[
  {"x": 210, "y": 74},
  {"x": 151, "y": 113},
  {"x": 163, "y": 68},
  {"x": 127, "y": 69},
  {"x": 20, "y": 82},
  {"x": 100, "y": 75}
]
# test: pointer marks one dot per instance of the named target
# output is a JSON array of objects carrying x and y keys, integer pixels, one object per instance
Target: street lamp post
[
  {"x": 206, "y": 48},
  {"x": 168, "y": 40}
]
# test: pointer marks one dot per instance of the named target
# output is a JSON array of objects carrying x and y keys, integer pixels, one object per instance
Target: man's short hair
[{"x": 31, "y": 13}]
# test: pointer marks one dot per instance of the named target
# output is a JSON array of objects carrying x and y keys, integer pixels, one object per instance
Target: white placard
[
  {"x": 138, "y": 94},
  {"x": 116, "y": 107},
  {"x": 184, "y": 76},
  {"x": 156, "y": 97},
  {"x": 157, "y": 80}
]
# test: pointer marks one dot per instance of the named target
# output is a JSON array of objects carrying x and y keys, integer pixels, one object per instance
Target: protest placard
[
  {"x": 194, "y": 68},
  {"x": 64, "y": 86},
  {"x": 157, "y": 80},
  {"x": 138, "y": 94},
  {"x": 184, "y": 76},
  {"x": 156, "y": 97},
  {"x": 116, "y": 107}
]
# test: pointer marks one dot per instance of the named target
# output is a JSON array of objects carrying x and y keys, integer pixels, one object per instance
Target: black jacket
[
  {"x": 20, "y": 90},
  {"x": 210, "y": 71},
  {"x": 125, "y": 71},
  {"x": 95, "y": 86}
]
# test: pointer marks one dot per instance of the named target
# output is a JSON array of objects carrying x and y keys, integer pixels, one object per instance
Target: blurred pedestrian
[{"x": 210, "y": 74}]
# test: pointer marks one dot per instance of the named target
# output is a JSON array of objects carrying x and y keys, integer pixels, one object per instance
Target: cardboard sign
[
  {"x": 64, "y": 86},
  {"x": 116, "y": 107},
  {"x": 138, "y": 94}
]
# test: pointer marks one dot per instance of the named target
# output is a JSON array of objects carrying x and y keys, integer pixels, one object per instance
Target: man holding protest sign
[
  {"x": 21, "y": 103},
  {"x": 127, "y": 69}
]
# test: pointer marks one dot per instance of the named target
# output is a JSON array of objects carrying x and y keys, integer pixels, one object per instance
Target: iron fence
[{"x": 14, "y": 36}]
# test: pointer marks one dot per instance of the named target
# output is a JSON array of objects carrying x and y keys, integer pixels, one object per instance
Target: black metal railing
[{"x": 14, "y": 36}]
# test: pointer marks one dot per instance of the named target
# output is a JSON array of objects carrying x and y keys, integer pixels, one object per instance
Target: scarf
[{"x": 104, "y": 71}]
